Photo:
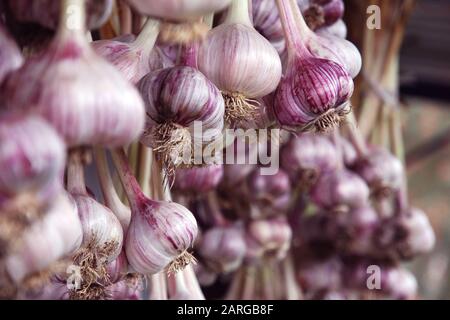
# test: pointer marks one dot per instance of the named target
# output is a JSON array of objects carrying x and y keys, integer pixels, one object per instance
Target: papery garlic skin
[
  {"x": 178, "y": 9},
  {"x": 253, "y": 67},
  {"x": 181, "y": 96},
  {"x": 32, "y": 154},
  {"x": 46, "y": 12},
  {"x": 85, "y": 98},
  {"x": 10, "y": 56},
  {"x": 158, "y": 235},
  {"x": 58, "y": 234},
  {"x": 100, "y": 225}
]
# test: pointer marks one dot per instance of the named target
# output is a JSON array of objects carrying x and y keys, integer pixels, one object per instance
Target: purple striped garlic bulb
[
  {"x": 223, "y": 248},
  {"x": 340, "y": 191},
  {"x": 32, "y": 151},
  {"x": 160, "y": 232},
  {"x": 47, "y": 12},
  {"x": 252, "y": 69},
  {"x": 383, "y": 172},
  {"x": 85, "y": 98},
  {"x": 132, "y": 59},
  {"x": 271, "y": 194},
  {"x": 307, "y": 156},
  {"x": 32, "y": 158},
  {"x": 323, "y": 13},
  {"x": 184, "y": 112},
  {"x": 10, "y": 56},
  {"x": 337, "y": 29},
  {"x": 198, "y": 179},
  {"x": 57, "y": 235},
  {"x": 102, "y": 234},
  {"x": 314, "y": 92}
]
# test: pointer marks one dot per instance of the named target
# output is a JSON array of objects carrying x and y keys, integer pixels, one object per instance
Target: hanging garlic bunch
[
  {"x": 160, "y": 232},
  {"x": 46, "y": 12},
  {"x": 184, "y": 112},
  {"x": 56, "y": 236},
  {"x": 102, "y": 235},
  {"x": 314, "y": 92},
  {"x": 132, "y": 59},
  {"x": 85, "y": 98},
  {"x": 10, "y": 56},
  {"x": 253, "y": 67},
  {"x": 181, "y": 17},
  {"x": 31, "y": 176}
]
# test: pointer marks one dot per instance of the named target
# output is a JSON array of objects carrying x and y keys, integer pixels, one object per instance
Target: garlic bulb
[
  {"x": 198, "y": 179},
  {"x": 176, "y": 100},
  {"x": 178, "y": 9},
  {"x": 340, "y": 190},
  {"x": 160, "y": 232},
  {"x": 337, "y": 29},
  {"x": 101, "y": 228},
  {"x": 33, "y": 160},
  {"x": 382, "y": 171},
  {"x": 271, "y": 194},
  {"x": 307, "y": 156},
  {"x": 102, "y": 235},
  {"x": 86, "y": 99},
  {"x": 270, "y": 238},
  {"x": 323, "y": 13},
  {"x": 223, "y": 248},
  {"x": 10, "y": 55},
  {"x": 46, "y": 12},
  {"x": 131, "y": 59},
  {"x": 118, "y": 269},
  {"x": 314, "y": 92},
  {"x": 414, "y": 233},
  {"x": 253, "y": 67},
  {"x": 57, "y": 235}
]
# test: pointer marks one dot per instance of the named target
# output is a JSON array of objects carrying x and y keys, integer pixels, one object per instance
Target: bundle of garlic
[{"x": 189, "y": 100}]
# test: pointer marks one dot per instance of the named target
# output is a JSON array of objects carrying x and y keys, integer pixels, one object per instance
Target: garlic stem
[
  {"x": 75, "y": 175},
  {"x": 109, "y": 192},
  {"x": 189, "y": 54},
  {"x": 295, "y": 28},
  {"x": 147, "y": 37},
  {"x": 216, "y": 213},
  {"x": 72, "y": 17},
  {"x": 130, "y": 184},
  {"x": 238, "y": 12}
]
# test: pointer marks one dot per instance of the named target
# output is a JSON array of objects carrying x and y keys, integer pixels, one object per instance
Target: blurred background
[{"x": 406, "y": 76}]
